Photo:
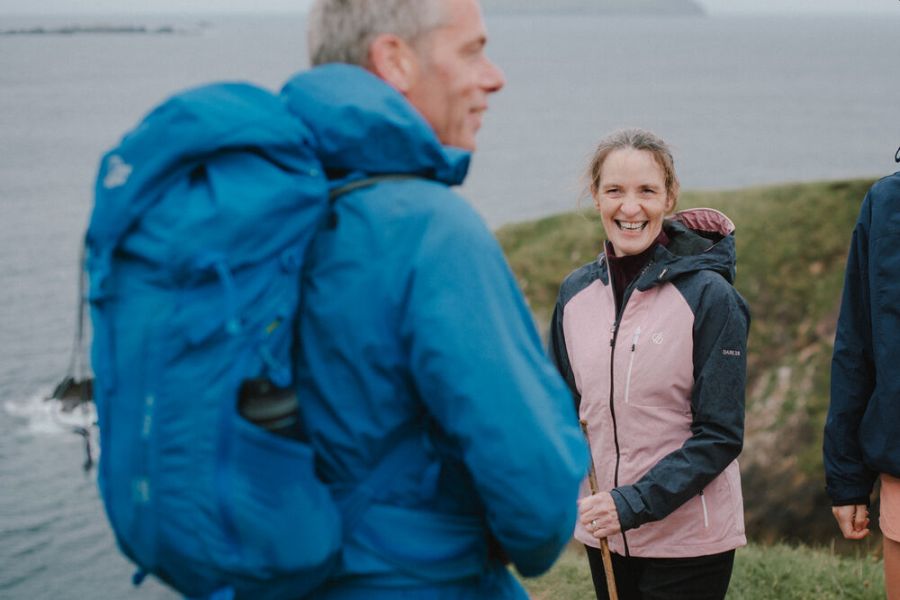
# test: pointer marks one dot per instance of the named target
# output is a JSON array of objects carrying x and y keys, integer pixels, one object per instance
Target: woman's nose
[{"x": 630, "y": 208}]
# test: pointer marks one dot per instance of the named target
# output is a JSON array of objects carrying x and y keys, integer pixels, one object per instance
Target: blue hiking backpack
[{"x": 195, "y": 251}]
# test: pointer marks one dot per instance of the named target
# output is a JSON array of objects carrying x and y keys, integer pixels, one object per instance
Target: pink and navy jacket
[{"x": 661, "y": 385}]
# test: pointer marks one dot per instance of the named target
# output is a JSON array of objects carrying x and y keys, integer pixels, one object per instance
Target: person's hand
[
  {"x": 853, "y": 520},
  {"x": 599, "y": 516}
]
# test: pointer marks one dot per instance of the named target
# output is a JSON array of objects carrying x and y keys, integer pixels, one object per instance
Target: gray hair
[
  {"x": 638, "y": 139},
  {"x": 342, "y": 30}
]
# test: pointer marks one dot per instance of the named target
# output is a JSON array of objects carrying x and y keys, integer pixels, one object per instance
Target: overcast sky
[{"x": 219, "y": 6}]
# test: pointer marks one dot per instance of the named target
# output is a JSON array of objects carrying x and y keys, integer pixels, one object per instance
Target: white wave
[{"x": 47, "y": 417}]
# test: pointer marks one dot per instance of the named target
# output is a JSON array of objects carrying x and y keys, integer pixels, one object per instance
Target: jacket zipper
[
  {"x": 634, "y": 341},
  {"x": 614, "y": 330},
  {"x": 705, "y": 513},
  {"x": 612, "y": 362}
]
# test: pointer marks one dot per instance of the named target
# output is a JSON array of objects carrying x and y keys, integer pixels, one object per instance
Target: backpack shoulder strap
[{"x": 366, "y": 182}]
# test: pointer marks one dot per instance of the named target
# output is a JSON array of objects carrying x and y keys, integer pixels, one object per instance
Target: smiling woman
[
  {"x": 634, "y": 186},
  {"x": 665, "y": 410}
]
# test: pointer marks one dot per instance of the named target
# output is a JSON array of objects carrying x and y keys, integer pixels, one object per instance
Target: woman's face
[{"x": 632, "y": 200}]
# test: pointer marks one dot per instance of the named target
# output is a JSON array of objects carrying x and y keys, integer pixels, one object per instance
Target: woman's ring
[{"x": 594, "y": 523}]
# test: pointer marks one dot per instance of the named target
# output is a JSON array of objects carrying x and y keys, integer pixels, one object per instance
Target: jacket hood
[
  {"x": 362, "y": 124},
  {"x": 699, "y": 239}
]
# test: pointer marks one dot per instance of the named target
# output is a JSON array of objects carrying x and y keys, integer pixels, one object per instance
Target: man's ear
[{"x": 394, "y": 61}]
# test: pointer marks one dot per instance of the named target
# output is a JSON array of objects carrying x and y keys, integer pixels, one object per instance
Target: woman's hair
[
  {"x": 637, "y": 139},
  {"x": 342, "y": 30}
]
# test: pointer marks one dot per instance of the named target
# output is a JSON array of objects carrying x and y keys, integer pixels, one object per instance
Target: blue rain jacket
[
  {"x": 413, "y": 326},
  {"x": 861, "y": 431}
]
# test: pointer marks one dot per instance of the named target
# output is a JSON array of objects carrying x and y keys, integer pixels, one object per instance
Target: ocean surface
[{"x": 744, "y": 101}]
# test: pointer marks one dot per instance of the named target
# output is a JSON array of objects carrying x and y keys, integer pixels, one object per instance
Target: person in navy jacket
[{"x": 862, "y": 430}]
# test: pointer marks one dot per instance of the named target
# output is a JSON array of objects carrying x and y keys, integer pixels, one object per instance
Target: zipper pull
[
  {"x": 634, "y": 341},
  {"x": 612, "y": 335}
]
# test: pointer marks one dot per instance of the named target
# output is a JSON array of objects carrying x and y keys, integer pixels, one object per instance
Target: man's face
[{"x": 453, "y": 77}]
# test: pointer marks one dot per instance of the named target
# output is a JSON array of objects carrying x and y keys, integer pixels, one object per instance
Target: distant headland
[
  {"x": 99, "y": 29},
  {"x": 600, "y": 7}
]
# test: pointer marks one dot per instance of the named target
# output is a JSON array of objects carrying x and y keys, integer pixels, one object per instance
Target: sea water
[{"x": 744, "y": 101}]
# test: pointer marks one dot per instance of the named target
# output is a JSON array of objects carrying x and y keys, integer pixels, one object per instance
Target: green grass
[
  {"x": 570, "y": 578},
  {"x": 777, "y": 572},
  {"x": 801, "y": 573}
]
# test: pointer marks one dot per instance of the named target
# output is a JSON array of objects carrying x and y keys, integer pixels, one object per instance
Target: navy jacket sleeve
[
  {"x": 848, "y": 481},
  {"x": 717, "y": 403},
  {"x": 558, "y": 352},
  {"x": 481, "y": 371}
]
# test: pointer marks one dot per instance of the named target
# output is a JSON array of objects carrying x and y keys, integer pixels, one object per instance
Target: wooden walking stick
[{"x": 604, "y": 546}]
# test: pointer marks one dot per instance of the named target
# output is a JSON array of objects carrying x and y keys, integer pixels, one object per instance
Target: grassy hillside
[
  {"x": 792, "y": 244},
  {"x": 760, "y": 573}
]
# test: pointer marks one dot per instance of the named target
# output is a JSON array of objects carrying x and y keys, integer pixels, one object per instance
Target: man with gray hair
[
  {"x": 416, "y": 347},
  {"x": 431, "y": 51}
]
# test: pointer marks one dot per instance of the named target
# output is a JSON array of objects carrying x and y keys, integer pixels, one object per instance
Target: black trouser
[{"x": 695, "y": 578}]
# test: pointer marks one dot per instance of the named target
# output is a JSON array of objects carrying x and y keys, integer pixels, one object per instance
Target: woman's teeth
[{"x": 631, "y": 226}]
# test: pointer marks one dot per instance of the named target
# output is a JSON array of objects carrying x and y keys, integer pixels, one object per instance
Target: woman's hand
[
  {"x": 853, "y": 520},
  {"x": 599, "y": 516}
]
